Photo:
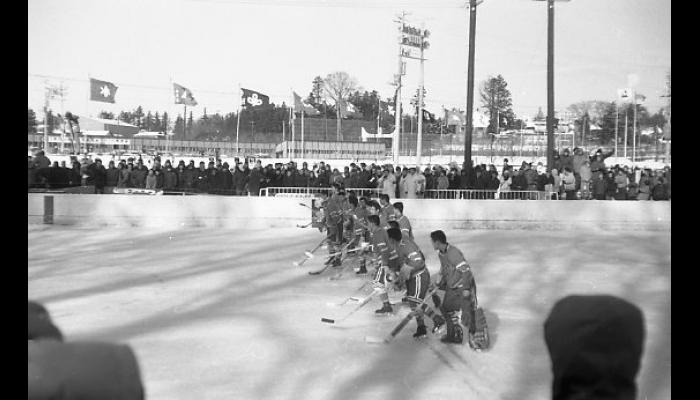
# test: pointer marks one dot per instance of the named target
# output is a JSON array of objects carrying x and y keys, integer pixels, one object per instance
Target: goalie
[{"x": 457, "y": 281}]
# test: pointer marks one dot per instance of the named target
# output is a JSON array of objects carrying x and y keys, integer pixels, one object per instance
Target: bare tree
[{"x": 338, "y": 86}]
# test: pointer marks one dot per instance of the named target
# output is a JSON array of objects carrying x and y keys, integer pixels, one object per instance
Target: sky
[{"x": 213, "y": 47}]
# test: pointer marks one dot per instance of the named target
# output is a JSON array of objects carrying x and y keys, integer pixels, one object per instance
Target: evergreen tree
[
  {"x": 156, "y": 123},
  {"x": 31, "y": 128},
  {"x": 105, "y": 115},
  {"x": 496, "y": 98},
  {"x": 148, "y": 123},
  {"x": 164, "y": 122},
  {"x": 190, "y": 123}
]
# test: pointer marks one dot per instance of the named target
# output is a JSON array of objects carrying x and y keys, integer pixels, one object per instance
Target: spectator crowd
[{"x": 573, "y": 176}]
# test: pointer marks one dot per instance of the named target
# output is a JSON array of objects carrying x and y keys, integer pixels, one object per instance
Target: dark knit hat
[{"x": 595, "y": 344}]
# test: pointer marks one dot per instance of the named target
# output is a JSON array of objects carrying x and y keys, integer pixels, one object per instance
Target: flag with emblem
[
  {"x": 183, "y": 95},
  {"x": 251, "y": 98},
  {"x": 102, "y": 91}
]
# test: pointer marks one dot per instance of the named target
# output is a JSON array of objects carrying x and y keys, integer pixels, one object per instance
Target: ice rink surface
[{"x": 223, "y": 314}]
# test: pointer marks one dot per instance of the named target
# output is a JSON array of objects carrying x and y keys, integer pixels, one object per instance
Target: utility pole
[
  {"x": 470, "y": 83},
  {"x": 397, "y": 104},
  {"x": 550, "y": 82}
]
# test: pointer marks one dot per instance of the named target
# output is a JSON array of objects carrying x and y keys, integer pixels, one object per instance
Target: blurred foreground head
[
  {"x": 595, "y": 344},
  {"x": 77, "y": 370}
]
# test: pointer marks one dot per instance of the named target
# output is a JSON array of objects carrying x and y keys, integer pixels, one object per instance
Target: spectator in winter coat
[
  {"x": 586, "y": 175},
  {"x": 569, "y": 182},
  {"x": 387, "y": 182},
  {"x": 578, "y": 159},
  {"x": 255, "y": 180},
  {"x": 411, "y": 185},
  {"x": 99, "y": 175},
  {"x": 644, "y": 190},
  {"x": 188, "y": 177},
  {"x": 632, "y": 191},
  {"x": 180, "y": 176},
  {"x": 542, "y": 181},
  {"x": 125, "y": 175},
  {"x": 226, "y": 179},
  {"x": 531, "y": 177},
  {"x": 506, "y": 182},
  {"x": 660, "y": 190},
  {"x": 598, "y": 185},
  {"x": 610, "y": 186},
  {"x": 159, "y": 178},
  {"x": 40, "y": 160},
  {"x": 442, "y": 182},
  {"x": 138, "y": 175},
  {"x": 112, "y": 176},
  {"x": 240, "y": 180},
  {"x": 556, "y": 164},
  {"x": 519, "y": 182},
  {"x": 169, "y": 176},
  {"x": 151, "y": 180},
  {"x": 215, "y": 180},
  {"x": 567, "y": 161},
  {"x": 201, "y": 182},
  {"x": 621, "y": 183}
]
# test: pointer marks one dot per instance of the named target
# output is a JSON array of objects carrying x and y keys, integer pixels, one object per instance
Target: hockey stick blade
[{"x": 328, "y": 320}]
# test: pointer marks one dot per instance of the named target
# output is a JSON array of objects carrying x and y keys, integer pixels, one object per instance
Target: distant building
[{"x": 113, "y": 126}]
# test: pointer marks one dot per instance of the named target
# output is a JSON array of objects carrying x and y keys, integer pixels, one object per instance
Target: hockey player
[
  {"x": 386, "y": 212},
  {"x": 414, "y": 271},
  {"x": 457, "y": 281},
  {"x": 404, "y": 223},
  {"x": 380, "y": 253},
  {"x": 358, "y": 222},
  {"x": 334, "y": 220}
]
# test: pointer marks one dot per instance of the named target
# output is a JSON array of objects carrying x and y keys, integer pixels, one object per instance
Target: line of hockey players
[{"x": 392, "y": 259}]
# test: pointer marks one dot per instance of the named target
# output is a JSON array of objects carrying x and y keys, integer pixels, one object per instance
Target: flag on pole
[
  {"x": 428, "y": 117},
  {"x": 347, "y": 109},
  {"x": 102, "y": 91},
  {"x": 183, "y": 95},
  {"x": 454, "y": 118},
  {"x": 251, "y": 98},
  {"x": 624, "y": 95},
  {"x": 640, "y": 98},
  {"x": 299, "y": 105}
]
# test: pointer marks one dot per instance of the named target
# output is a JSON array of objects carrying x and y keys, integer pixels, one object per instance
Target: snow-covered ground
[{"x": 223, "y": 314}]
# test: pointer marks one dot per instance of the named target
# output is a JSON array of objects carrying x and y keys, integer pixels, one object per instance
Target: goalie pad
[{"x": 480, "y": 339}]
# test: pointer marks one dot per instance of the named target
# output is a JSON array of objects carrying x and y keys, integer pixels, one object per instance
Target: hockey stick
[
  {"x": 363, "y": 246},
  {"x": 309, "y": 254},
  {"x": 327, "y": 264},
  {"x": 362, "y": 303},
  {"x": 351, "y": 298},
  {"x": 402, "y": 324},
  {"x": 305, "y": 225}
]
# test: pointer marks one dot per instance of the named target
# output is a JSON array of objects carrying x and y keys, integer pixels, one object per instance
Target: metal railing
[
  {"x": 478, "y": 194},
  {"x": 313, "y": 191}
]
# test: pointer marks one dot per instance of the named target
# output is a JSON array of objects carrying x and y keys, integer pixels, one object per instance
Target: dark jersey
[
  {"x": 386, "y": 214},
  {"x": 405, "y": 226},
  {"x": 410, "y": 254},
  {"x": 380, "y": 245},
  {"x": 454, "y": 270}
]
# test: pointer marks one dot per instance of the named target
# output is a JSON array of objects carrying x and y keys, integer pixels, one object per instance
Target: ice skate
[
  {"x": 386, "y": 309},
  {"x": 438, "y": 322},
  {"x": 421, "y": 332}
]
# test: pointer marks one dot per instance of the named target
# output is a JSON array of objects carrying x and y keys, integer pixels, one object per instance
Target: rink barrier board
[{"x": 424, "y": 214}]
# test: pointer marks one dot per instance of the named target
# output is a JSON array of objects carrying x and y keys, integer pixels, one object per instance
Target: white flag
[{"x": 625, "y": 95}]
